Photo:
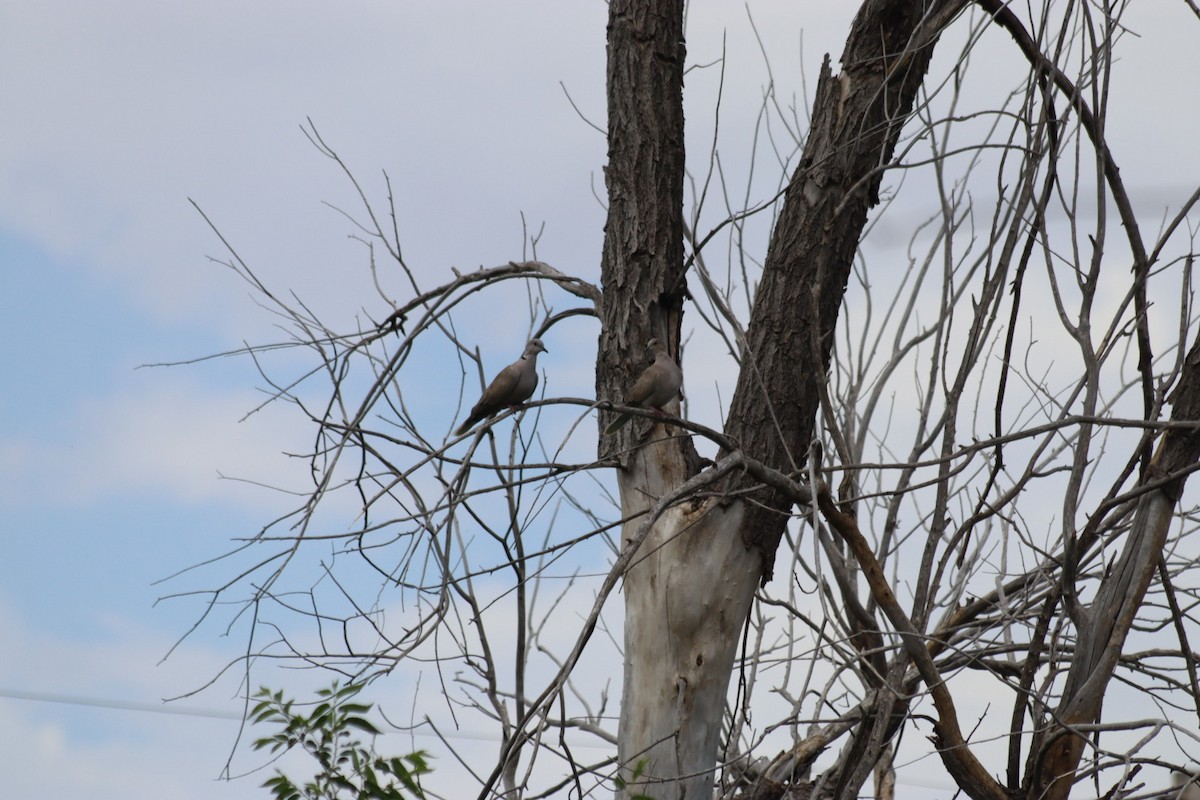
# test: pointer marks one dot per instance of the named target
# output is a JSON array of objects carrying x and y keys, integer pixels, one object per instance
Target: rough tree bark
[
  {"x": 682, "y": 613},
  {"x": 857, "y": 117},
  {"x": 688, "y": 594}
]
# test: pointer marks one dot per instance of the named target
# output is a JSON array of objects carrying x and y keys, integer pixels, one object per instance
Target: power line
[
  {"x": 119, "y": 705},
  {"x": 183, "y": 711},
  {"x": 128, "y": 705}
]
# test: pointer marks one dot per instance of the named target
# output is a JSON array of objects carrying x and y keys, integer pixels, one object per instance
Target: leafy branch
[{"x": 348, "y": 767}]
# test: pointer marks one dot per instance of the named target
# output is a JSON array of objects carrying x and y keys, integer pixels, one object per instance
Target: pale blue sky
[{"x": 114, "y": 114}]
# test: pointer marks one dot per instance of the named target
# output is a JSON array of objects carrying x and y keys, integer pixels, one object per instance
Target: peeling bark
[
  {"x": 857, "y": 118},
  {"x": 688, "y": 594}
]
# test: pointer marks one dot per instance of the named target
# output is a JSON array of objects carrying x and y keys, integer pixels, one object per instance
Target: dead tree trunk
[
  {"x": 688, "y": 593},
  {"x": 673, "y": 699}
]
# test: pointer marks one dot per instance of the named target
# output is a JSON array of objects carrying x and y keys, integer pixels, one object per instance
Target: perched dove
[
  {"x": 655, "y": 387},
  {"x": 512, "y": 387}
]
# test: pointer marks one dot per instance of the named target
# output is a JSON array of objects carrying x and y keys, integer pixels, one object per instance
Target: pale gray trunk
[
  {"x": 688, "y": 594},
  {"x": 686, "y": 599}
]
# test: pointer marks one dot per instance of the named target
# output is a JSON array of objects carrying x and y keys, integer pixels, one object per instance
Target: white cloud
[
  {"x": 170, "y": 435},
  {"x": 165, "y": 102}
]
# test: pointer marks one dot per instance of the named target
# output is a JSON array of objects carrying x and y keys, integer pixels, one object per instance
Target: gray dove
[
  {"x": 655, "y": 387},
  {"x": 512, "y": 387}
]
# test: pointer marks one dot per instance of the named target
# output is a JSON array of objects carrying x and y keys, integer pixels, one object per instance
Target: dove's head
[{"x": 535, "y": 346}]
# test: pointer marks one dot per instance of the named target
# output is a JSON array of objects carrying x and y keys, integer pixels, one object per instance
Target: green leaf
[
  {"x": 343, "y": 783},
  {"x": 346, "y": 767},
  {"x": 349, "y": 690},
  {"x": 361, "y": 724},
  {"x": 282, "y": 788}
]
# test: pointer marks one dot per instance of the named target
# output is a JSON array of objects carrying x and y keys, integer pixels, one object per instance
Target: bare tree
[{"x": 927, "y": 489}]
